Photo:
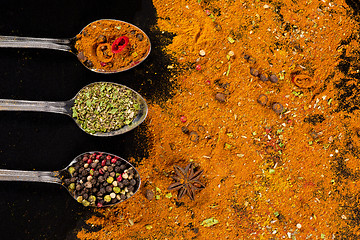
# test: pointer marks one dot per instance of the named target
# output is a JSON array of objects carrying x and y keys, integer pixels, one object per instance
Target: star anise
[{"x": 187, "y": 181}]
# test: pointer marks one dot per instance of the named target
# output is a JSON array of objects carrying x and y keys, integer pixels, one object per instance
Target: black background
[{"x": 49, "y": 141}]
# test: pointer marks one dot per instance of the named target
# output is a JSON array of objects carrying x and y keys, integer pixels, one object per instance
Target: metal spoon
[
  {"x": 65, "y": 107},
  {"x": 68, "y": 45},
  {"x": 60, "y": 177}
]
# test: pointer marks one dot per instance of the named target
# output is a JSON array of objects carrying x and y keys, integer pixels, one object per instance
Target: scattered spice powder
[
  {"x": 267, "y": 175},
  {"x": 111, "y": 45}
]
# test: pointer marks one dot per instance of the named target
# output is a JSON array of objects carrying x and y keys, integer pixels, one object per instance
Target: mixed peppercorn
[{"x": 101, "y": 179}]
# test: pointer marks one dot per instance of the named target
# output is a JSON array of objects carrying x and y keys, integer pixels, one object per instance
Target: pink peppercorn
[
  {"x": 108, "y": 157},
  {"x": 103, "y": 162},
  {"x": 89, "y": 161},
  {"x": 113, "y": 160},
  {"x": 198, "y": 67},
  {"x": 101, "y": 171},
  {"x": 102, "y": 64},
  {"x": 85, "y": 159},
  {"x": 119, "y": 178},
  {"x": 183, "y": 119},
  {"x": 98, "y": 156},
  {"x": 99, "y": 205}
]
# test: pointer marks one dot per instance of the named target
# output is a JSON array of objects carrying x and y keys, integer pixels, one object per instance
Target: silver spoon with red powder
[{"x": 113, "y": 33}]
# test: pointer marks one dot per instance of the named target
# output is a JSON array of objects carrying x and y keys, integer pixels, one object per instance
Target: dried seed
[
  {"x": 263, "y": 77},
  {"x": 88, "y": 185},
  {"x": 140, "y": 37},
  {"x": 273, "y": 78},
  {"x": 220, "y": 97},
  {"x": 185, "y": 130},
  {"x": 81, "y": 56},
  {"x": 194, "y": 136},
  {"x": 278, "y": 108},
  {"x": 149, "y": 194},
  {"x": 254, "y": 72},
  {"x": 262, "y": 99}
]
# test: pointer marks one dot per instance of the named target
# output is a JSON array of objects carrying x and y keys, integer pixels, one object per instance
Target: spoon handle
[
  {"x": 28, "y": 42},
  {"x": 29, "y": 176},
  {"x": 37, "y": 106}
]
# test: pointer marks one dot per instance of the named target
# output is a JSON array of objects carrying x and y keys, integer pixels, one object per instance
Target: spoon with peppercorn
[
  {"x": 100, "y": 109},
  {"x": 103, "y": 46},
  {"x": 95, "y": 179}
]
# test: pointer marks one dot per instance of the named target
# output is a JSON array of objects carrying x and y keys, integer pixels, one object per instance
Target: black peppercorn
[
  {"x": 185, "y": 130},
  {"x": 278, "y": 108},
  {"x": 262, "y": 99},
  {"x": 78, "y": 187},
  {"x": 273, "y": 78},
  {"x": 109, "y": 188},
  {"x": 131, "y": 171},
  {"x": 263, "y": 77},
  {"x": 131, "y": 188},
  {"x": 101, "y": 179},
  {"x": 254, "y": 72},
  {"x": 67, "y": 181},
  {"x": 132, "y": 182}
]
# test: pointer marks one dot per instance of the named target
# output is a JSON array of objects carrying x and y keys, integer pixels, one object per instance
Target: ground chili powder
[{"x": 293, "y": 175}]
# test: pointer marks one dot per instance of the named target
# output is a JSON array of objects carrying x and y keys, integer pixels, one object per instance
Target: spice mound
[
  {"x": 101, "y": 179},
  {"x": 105, "y": 107},
  {"x": 111, "y": 46}
]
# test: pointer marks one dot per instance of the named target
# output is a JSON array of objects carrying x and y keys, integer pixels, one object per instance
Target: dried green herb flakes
[{"x": 105, "y": 107}]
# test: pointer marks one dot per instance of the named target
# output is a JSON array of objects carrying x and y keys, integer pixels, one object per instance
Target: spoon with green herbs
[
  {"x": 103, "y": 46},
  {"x": 100, "y": 108},
  {"x": 95, "y": 179}
]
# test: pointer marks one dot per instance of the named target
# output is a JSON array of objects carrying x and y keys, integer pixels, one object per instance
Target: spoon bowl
[
  {"x": 89, "y": 47},
  {"x": 67, "y": 108},
  {"x": 95, "y": 179}
]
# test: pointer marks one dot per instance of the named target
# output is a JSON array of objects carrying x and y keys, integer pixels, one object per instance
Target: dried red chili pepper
[{"x": 119, "y": 44}]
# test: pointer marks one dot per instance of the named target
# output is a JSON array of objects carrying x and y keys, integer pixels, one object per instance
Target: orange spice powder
[
  {"x": 267, "y": 175},
  {"x": 95, "y": 46}
]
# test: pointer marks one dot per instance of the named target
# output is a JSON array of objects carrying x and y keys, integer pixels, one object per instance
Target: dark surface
[{"x": 47, "y": 141}]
